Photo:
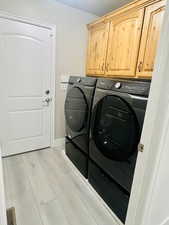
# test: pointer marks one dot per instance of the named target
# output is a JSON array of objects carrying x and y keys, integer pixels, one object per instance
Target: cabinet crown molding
[{"x": 130, "y": 6}]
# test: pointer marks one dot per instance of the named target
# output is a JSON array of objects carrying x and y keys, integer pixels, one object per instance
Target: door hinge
[{"x": 140, "y": 147}]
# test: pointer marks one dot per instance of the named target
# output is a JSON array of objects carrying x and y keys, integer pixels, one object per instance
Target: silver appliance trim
[{"x": 138, "y": 97}]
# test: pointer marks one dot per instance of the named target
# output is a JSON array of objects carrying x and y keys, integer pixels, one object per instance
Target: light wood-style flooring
[{"x": 46, "y": 189}]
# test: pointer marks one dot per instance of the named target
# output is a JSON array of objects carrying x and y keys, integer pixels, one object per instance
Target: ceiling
[{"x": 97, "y": 7}]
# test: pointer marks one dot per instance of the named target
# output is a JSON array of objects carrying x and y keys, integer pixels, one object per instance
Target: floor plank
[
  {"x": 37, "y": 177},
  {"x": 74, "y": 209},
  {"x": 95, "y": 205},
  {"x": 20, "y": 192},
  {"x": 46, "y": 189},
  {"x": 46, "y": 198},
  {"x": 7, "y": 185}
]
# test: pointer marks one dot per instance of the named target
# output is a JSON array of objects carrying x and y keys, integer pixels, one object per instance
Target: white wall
[{"x": 71, "y": 40}]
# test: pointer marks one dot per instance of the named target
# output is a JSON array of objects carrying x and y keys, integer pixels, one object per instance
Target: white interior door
[{"x": 25, "y": 75}]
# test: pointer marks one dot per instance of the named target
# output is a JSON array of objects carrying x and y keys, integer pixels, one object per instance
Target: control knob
[
  {"x": 79, "y": 80},
  {"x": 117, "y": 85}
]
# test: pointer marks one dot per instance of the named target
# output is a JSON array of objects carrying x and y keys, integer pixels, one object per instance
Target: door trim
[
  {"x": 52, "y": 28},
  {"x": 3, "y": 218},
  {"x": 146, "y": 196}
]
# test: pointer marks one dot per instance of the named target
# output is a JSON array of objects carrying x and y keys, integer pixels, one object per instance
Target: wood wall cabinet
[
  {"x": 124, "y": 43},
  {"x": 97, "y": 49},
  {"x": 150, "y": 36}
]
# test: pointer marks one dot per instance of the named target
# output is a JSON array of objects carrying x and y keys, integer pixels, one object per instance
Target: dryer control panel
[{"x": 136, "y": 87}]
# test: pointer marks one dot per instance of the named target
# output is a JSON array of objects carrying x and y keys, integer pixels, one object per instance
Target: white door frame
[
  {"x": 151, "y": 169},
  {"x": 51, "y": 27},
  {"x": 3, "y": 219}
]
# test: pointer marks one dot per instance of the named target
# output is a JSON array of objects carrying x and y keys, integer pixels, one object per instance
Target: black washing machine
[
  {"x": 117, "y": 119},
  {"x": 78, "y": 107}
]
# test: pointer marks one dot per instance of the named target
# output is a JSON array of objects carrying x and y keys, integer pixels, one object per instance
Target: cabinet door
[
  {"x": 97, "y": 49},
  {"x": 150, "y": 36},
  {"x": 124, "y": 41}
]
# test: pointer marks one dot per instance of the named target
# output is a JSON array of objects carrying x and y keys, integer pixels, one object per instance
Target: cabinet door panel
[
  {"x": 97, "y": 49},
  {"x": 150, "y": 37},
  {"x": 123, "y": 46}
]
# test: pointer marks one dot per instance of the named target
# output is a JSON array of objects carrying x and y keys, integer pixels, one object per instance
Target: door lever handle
[{"x": 47, "y": 100}]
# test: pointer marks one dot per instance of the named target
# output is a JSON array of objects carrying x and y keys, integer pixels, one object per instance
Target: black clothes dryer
[
  {"x": 78, "y": 106},
  {"x": 117, "y": 119}
]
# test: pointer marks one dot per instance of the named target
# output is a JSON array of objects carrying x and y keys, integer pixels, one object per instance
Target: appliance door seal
[{"x": 115, "y": 128}]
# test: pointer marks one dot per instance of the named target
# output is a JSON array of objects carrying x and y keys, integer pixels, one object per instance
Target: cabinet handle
[
  {"x": 102, "y": 66},
  {"x": 140, "y": 66},
  {"x": 107, "y": 65}
]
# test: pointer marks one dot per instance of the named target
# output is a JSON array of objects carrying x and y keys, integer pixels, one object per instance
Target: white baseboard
[{"x": 59, "y": 143}]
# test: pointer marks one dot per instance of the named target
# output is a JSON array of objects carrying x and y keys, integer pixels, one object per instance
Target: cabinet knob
[{"x": 140, "y": 66}]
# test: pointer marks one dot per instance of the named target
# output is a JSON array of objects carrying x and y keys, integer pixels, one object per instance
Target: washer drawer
[
  {"x": 78, "y": 158},
  {"x": 111, "y": 193}
]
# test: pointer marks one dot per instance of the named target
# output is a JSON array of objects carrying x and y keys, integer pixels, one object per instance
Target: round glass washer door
[
  {"x": 115, "y": 128},
  {"x": 76, "y": 109}
]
